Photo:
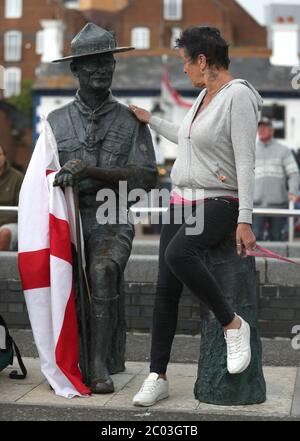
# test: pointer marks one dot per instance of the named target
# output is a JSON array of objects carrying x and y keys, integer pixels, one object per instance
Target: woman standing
[{"x": 216, "y": 145}]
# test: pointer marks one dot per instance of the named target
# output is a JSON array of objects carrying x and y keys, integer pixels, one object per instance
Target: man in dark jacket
[
  {"x": 101, "y": 143},
  {"x": 10, "y": 184}
]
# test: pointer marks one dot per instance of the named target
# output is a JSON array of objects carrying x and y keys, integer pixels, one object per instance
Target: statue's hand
[
  {"x": 74, "y": 170},
  {"x": 141, "y": 114},
  {"x": 64, "y": 179},
  {"x": 76, "y": 167}
]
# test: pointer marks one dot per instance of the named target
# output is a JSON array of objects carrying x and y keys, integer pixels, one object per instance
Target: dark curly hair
[{"x": 205, "y": 40}]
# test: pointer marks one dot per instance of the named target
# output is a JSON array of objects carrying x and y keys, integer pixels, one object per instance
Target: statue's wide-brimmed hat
[{"x": 92, "y": 40}]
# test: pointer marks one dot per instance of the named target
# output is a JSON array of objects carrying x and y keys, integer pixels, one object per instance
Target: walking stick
[{"x": 84, "y": 339}]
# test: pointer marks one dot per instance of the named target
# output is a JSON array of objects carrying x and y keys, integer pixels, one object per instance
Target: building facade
[
  {"x": 133, "y": 84},
  {"x": 21, "y": 38},
  {"x": 34, "y": 32},
  {"x": 31, "y": 31},
  {"x": 23, "y": 25},
  {"x": 154, "y": 25}
]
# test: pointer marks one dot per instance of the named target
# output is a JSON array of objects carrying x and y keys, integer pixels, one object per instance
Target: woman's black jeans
[{"x": 181, "y": 263}]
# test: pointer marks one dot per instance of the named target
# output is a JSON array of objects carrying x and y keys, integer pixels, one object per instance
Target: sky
[{"x": 256, "y": 7}]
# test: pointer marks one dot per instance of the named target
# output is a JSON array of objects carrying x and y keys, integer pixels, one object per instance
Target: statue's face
[{"x": 94, "y": 72}]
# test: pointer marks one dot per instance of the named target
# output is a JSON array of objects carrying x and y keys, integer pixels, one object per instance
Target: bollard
[{"x": 214, "y": 385}]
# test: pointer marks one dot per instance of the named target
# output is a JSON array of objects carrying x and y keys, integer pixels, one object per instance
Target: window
[
  {"x": 13, "y": 8},
  {"x": 72, "y": 4},
  {"x": 13, "y": 46},
  {"x": 172, "y": 9},
  {"x": 12, "y": 81},
  {"x": 176, "y": 32},
  {"x": 140, "y": 38},
  {"x": 39, "y": 42}
]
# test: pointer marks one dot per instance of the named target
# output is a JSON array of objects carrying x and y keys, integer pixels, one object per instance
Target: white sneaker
[
  {"x": 152, "y": 390},
  {"x": 238, "y": 348}
]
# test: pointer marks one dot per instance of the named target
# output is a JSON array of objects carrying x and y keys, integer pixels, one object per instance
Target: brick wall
[
  {"x": 279, "y": 309},
  {"x": 278, "y": 297},
  {"x": 236, "y": 25},
  {"x": 139, "y": 300},
  {"x": 12, "y": 304},
  {"x": 245, "y": 29},
  {"x": 139, "y": 308},
  {"x": 33, "y": 12}
]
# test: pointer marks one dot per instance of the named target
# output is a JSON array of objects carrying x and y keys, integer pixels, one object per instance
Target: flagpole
[{"x": 84, "y": 339}]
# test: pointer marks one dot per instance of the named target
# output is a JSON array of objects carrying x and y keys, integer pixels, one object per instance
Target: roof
[
  {"x": 54, "y": 76},
  {"x": 272, "y": 11},
  {"x": 145, "y": 73}
]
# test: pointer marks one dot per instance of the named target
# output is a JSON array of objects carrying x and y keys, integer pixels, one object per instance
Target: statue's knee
[
  {"x": 105, "y": 277},
  {"x": 103, "y": 267},
  {"x": 106, "y": 271}
]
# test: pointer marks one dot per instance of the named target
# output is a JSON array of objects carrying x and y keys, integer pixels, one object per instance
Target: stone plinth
[{"x": 214, "y": 384}]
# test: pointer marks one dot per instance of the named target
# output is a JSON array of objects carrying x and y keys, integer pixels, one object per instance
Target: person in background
[
  {"x": 296, "y": 154},
  {"x": 10, "y": 184},
  {"x": 277, "y": 180}
]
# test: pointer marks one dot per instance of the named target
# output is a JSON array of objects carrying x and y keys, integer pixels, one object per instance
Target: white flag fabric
[{"x": 45, "y": 230}]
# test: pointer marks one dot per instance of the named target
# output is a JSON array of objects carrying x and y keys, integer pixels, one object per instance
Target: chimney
[
  {"x": 53, "y": 40},
  {"x": 103, "y": 5},
  {"x": 285, "y": 42}
]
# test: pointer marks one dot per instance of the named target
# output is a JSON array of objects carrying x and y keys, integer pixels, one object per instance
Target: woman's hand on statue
[
  {"x": 245, "y": 239},
  {"x": 141, "y": 114}
]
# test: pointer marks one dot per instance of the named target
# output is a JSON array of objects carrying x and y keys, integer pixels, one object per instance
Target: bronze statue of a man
[{"x": 100, "y": 143}]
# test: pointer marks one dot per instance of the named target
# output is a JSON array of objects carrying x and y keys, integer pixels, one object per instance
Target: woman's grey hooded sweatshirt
[{"x": 217, "y": 150}]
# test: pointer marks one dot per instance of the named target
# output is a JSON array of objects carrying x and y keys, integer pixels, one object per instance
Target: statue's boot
[{"x": 102, "y": 318}]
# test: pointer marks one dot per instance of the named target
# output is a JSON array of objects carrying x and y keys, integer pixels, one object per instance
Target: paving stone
[
  {"x": 35, "y": 391},
  {"x": 280, "y": 387}
]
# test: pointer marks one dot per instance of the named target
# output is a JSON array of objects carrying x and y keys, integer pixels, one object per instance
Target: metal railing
[
  {"x": 290, "y": 212},
  {"x": 11, "y": 209}
]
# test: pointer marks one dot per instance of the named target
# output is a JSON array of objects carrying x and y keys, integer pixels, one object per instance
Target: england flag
[{"x": 46, "y": 228}]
